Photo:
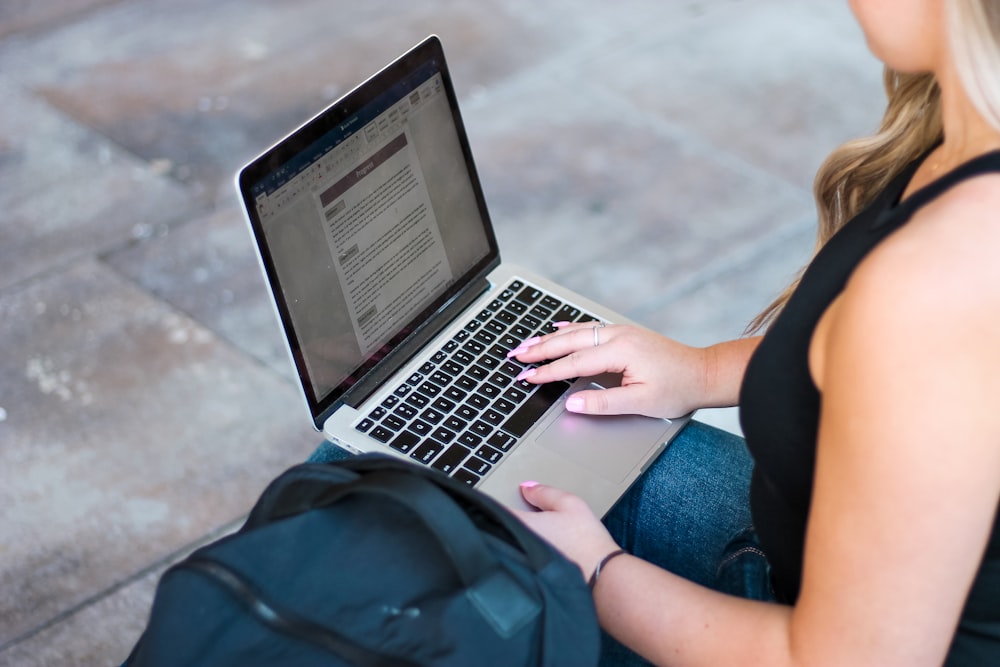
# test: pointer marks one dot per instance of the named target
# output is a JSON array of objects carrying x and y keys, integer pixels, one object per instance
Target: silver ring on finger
[{"x": 597, "y": 335}]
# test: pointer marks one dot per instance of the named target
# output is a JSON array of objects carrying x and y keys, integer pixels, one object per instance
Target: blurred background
[{"x": 656, "y": 156}]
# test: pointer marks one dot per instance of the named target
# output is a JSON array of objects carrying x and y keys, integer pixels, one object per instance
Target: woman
[{"x": 869, "y": 407}]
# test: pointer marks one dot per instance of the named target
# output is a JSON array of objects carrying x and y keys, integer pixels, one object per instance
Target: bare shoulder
[
  {"x": 945, "y": 258},
  {"x": 929, "y": 292}
]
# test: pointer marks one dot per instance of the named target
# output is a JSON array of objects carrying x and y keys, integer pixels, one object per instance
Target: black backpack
[{"x": 372, "y": 561}]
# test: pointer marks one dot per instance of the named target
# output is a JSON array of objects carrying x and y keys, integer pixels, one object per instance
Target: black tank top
[{"x": 779, "y": 411}]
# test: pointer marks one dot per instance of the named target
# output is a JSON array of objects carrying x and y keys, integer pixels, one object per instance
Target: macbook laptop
[{"x": 374, "y": 237}]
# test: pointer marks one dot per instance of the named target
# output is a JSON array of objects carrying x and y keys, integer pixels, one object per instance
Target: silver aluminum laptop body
[{"x": 380, "y": 257}]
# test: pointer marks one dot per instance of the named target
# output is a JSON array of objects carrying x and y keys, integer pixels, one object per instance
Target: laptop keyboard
[{"x": 463, "y": 411}]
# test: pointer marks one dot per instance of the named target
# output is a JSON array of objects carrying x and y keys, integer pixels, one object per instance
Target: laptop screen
[{"x": 369, "y": 218}]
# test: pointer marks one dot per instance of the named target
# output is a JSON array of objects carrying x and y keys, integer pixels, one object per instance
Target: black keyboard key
[
  {"x": 481, "y": 428},
  {"x": 451, "y": 459},
  {"x": 498, "y": 352},
  {"x": 405, "y": 441},
  {"x": 502, "y": 441},
  {"x": 515, "y": 395},
  {"x": 426, "y": 452},
  {"x": 477, "y": 466},
  {"x": 420, "y": 427},
  {"x": 548, "y": 328},
  {"x": 521, "y": 332},
  {"x": 496, "y": 327},
  {"x": 551, "y": 302},
  {"x": 382, "y": 434},
  {"x": 490, "y": 362},
  {"x": 512, "y": 369},
  {"x": 489, "y": 454},
  {"x": 453, "y": 368},
  {"x": 431, "y": 416},
  {"x": 470, "y": 439},
  {"x": 541, "y": 312},
  {"x": 463, "y": 358},
  {"x": 467, "y": 383},
  {"x": 418, "y": 400},
  {"x": 479, "y": 402},
  {"x": 455, "y": 394},
  {"x": 567, "y": 313},
  {"x": 444, "y": 435},
  {"x": 428, "y": 367},
  {"x": 507, "y": 317},
  {"x": 474, "y": 348},
  {"x": 466, "y": 412},
  {"x": 466, "y": 476},
  {"x": 440, "y": 378},
  {"x": 478, "y": 372},
  {"x": 443, "y": 404},
  {"x": 454, "y": 423},
  {"x": 378, "y": 413},
  {"x": 406, "y": 411},
  {"x": 485, "y": 337},
  {"x": 364, "y": 425},
  {"x": 492, "y": 417},
  {"x": 508, "y": 340},
  {"x": 587, "y": 317},
  {"x": 534, "y": 407},
  {"x": 531, "y": 322},
  {"x": 524, "y": 386},
  {"x": 390, "y": 401},
  {"x": 504, "y": 406},
  {"x": 529, "y": 295},
  {"x": 489, "y": 391},
  {"x": 501, "y": 379},
  {"x": 430, "y": 389},
  {"x": 393, "y": 422}
]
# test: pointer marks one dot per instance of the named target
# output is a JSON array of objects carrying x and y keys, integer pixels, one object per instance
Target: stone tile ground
[{"x": 654, "y": 155}]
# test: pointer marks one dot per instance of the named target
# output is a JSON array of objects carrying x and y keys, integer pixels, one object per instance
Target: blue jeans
[{"x": 689, "y": 513}]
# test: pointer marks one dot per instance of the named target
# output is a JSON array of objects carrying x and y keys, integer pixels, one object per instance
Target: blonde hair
[{"x": 851, "y": 177}]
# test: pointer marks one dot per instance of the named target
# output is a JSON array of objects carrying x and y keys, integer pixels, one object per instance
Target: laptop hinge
[{"x": 365, "y": 387}]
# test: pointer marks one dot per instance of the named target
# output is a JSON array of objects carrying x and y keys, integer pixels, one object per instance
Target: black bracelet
[{"x": 600, "y": 566}]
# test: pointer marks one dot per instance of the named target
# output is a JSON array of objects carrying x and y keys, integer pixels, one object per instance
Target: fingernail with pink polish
[
  {"x": 523, "y": 346},
  {"x": 574, "y": 404},
  {"x": 526, "y": 373},
  {"x": 560, "y": 325},
  {"x": 528, "y": 485}
]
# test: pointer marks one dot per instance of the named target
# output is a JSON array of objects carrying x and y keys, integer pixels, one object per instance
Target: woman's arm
[
  {"x": 907, "y": 477},
  {"x": 908, "y": 465}
]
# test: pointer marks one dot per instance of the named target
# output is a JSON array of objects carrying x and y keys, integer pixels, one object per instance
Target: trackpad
[{"x": 610, "y": 445}]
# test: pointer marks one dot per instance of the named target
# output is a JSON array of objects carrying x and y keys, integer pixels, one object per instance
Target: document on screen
[{"x": 385, "y": 241}]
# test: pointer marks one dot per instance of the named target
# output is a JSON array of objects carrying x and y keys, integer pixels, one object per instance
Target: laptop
[{"x": 375, "y": 241}]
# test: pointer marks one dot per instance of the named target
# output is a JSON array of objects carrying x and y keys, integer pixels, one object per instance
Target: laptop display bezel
[{"x": 427, "y": 52}]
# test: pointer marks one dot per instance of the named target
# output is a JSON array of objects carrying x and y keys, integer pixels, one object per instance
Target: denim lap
[{"x": 689, "y": 513}]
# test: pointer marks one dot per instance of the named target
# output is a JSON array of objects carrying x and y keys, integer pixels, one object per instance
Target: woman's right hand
[{"x": 659, "y": 376}]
